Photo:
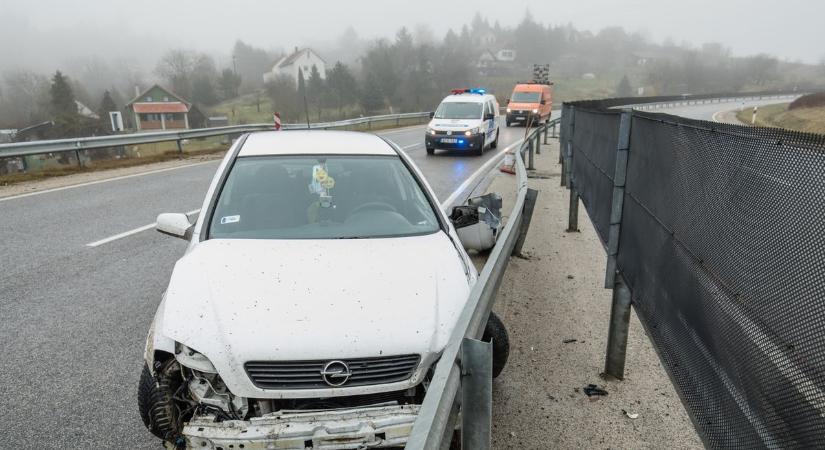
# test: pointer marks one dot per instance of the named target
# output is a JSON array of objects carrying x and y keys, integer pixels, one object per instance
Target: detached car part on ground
[{"x": 318, "y": 290}]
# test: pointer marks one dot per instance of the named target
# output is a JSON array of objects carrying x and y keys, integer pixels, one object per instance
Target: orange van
[{"x": 530, "y": 103}]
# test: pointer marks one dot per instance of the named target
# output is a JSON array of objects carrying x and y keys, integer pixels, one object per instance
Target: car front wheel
[
  {"x": 496, "y": 333},
  {"x": 155, "y": 401}
]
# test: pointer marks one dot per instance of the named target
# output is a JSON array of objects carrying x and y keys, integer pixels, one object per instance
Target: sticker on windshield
[{"x": 230, "y": 219}]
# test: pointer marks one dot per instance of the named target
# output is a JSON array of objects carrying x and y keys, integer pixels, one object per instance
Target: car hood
[
  {"x": 454, "y": 124},
  {"x": 243, "y": 300}
]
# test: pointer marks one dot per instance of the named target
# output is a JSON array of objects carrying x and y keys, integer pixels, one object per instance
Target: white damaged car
[{"x": 319, "y": 288}]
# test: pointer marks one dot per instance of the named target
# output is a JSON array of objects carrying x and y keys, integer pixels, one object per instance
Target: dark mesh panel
[
  {"x": 723, "y": 248},
  {"x": 594, "y": 161}
]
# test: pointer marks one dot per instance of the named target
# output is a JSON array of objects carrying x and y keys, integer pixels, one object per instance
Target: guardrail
[
  {"x": 466, "y": 363},
  {"x": 87, "y": 143},
  {"x": 713, "y": 236}
]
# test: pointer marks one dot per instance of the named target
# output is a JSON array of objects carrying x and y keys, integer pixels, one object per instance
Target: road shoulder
[{"x": 556, "y": 311}]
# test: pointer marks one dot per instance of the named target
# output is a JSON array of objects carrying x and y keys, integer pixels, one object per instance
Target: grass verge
[{"x": 811, "y": 120}]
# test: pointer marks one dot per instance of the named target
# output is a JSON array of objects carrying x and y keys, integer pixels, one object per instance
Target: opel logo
[{"x": 336, "y": 373}]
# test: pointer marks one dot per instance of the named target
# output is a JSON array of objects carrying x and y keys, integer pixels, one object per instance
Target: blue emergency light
[{"x": 479, "y": 91}]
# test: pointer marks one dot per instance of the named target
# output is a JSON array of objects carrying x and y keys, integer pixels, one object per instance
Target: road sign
[{"x": 277, "y": 117}]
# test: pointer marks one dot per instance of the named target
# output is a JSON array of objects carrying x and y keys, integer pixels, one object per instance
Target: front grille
[
  {"x": 444, "y": 132},
  {"x": 307, "y": 374}
]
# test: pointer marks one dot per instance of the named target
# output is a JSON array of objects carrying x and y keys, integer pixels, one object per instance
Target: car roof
[
  {"x": 468, "y": 98},
  {"x": 314, "y": 142},
  {"x": 530, "y": 87}
]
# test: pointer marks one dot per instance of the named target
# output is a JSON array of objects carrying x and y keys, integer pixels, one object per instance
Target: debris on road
[
  {"x": 630, "y": 415},
  {"x": 568, "y": 341},
  {"x": 591, "y": 390},
  {"x": 570, "y": 277}
]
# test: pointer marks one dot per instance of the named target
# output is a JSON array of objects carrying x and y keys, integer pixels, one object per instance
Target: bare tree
[{"x": 26, "y": 97}]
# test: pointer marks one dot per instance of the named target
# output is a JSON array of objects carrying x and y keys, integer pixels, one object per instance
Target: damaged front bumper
[{"x": 351, "y": 428}]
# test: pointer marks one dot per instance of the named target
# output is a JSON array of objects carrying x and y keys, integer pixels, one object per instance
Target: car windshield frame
[
  {"x": 524, "y": 99},
  {"x": 206, "y": 232},
  {"x": 441, "y": 110}
]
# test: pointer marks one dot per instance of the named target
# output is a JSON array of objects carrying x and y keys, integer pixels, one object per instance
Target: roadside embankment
[
  {"x": 811, "y": 120},
  {"x": 557, "y": 311}
]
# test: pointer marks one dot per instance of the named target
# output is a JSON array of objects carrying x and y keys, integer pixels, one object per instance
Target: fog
[{"x": 43, "y": 34}]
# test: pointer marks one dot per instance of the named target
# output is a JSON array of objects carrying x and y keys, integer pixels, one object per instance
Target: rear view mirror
[
  {"x": 175, "y": 224},
  {"x": 432, "y": 114},
  {"x": 544, "y": 102},
  {"x": 478, "y": 223}
]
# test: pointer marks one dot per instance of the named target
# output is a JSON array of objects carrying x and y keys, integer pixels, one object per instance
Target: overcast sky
[{"x": 36, "y": 32}]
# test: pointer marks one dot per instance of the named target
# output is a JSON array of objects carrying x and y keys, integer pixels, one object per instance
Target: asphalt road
[
  {"x": 74, "y": 318},
  {"x": 707, "y": 111}
]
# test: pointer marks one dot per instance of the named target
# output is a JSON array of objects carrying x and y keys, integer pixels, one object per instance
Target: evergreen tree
[
  {"x": 342, "y": 86},
  {"x": 62, "y": 97},
  {"x": 106, "y": 104},
  {"x": 371, "y": 98},
  {"x": 302, "y": 93},
  {"x": 63, "y": 108},
  {"x": 315, "y": 90},
  {"x": 624, "y": 89},
  {"x": 228, "y": 84}
]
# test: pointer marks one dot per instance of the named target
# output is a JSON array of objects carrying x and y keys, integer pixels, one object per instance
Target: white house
[
  {"x": 506, "y": 55},
  {"x": 302, "y": 59}
]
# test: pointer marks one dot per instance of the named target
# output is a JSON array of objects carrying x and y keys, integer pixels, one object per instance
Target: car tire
[
  {"x": 495, "y": 142},
  {"x": 157, "y": 408},
  {"x": 508, "y": 124},
  {"x": 430, "y": 151},
  {"x": 479, "y": 151},
  {"x": 496, "y": 332}
]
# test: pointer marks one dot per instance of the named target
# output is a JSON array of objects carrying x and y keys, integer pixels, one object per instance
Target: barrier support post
[
  {"x": 476, "y": 393},
  {"x": 619, "y": 328},
  {"x": 617, "y": 206},
  {"x": 530, "y": 155},
  {"x": 538, "y": 137},
  {"x": 527, "y": 215}
]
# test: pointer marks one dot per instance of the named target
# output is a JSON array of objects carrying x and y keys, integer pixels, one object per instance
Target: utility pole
[{"x": 234, "y": 65}]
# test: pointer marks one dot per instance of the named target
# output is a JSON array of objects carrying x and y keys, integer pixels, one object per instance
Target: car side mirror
[
  {"x": 544, "y": 102},
  {"x": 175, "y": 224},
  {"x": 508, "y": 100},
  {"x": 432, "y": 114},
  {"x": 489, "y": 116},
  {"x": 478, "y": 223}
]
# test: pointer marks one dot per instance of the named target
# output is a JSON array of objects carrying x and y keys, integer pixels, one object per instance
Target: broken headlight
[{"x": 193, "y": 359}]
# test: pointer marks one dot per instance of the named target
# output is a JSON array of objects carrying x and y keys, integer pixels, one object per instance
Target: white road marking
[
  {"x": 90, "y": 183},
  {"x": 716, "y": 116},
  {"x": 412, "y": 145},
  {"x": 131, "y": 232},
  {"x": 478, "y": 173}
]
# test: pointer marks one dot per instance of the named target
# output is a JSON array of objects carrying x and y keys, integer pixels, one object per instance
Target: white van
[{"x": 467, "y": 120}]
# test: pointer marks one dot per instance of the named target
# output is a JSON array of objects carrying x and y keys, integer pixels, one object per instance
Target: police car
[{"x": 467, "y": 119}]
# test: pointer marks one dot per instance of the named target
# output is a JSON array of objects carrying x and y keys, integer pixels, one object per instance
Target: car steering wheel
[{"x": 374, "y": 205}]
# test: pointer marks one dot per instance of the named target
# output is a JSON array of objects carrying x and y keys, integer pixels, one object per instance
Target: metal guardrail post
[
  {"x": 617, "y": 205},
  {"x": 476, "y": 394},
  {"x": 77, "y": 156},
  {"x": 620, "y": 309},
  {"x": 567, "y": 170},
  {"x": 180, "y": 147},
  {"x": 573, "y": 211},
  {"x": 530, "y": 155},
  {"x": 618, "y": 331},
  {"x": 529, "y": 207},
  {"x": 538, "y": 138}
]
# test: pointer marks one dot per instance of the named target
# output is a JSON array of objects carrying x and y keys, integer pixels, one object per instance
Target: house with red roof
[
  {"x": 158, "y": 108},
  {"x": 302, "y": 59}
]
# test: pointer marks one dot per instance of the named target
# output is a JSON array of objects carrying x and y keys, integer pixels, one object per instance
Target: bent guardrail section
[
  {"x": 87, "y": 143},
  {"x": 714, "y": 234},
  {"x": 466, "y": 364}
]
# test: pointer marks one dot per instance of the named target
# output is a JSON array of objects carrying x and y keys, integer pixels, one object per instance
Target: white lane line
[
  {"x": 483, "y": 170},
  {"x": 412, "y": 145},
  {"x": 400, "y": 130},
  {"x": 131, "y": 232},
  {"x": 716, "y": 116},
  {"x": 90, "y": 183}
]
